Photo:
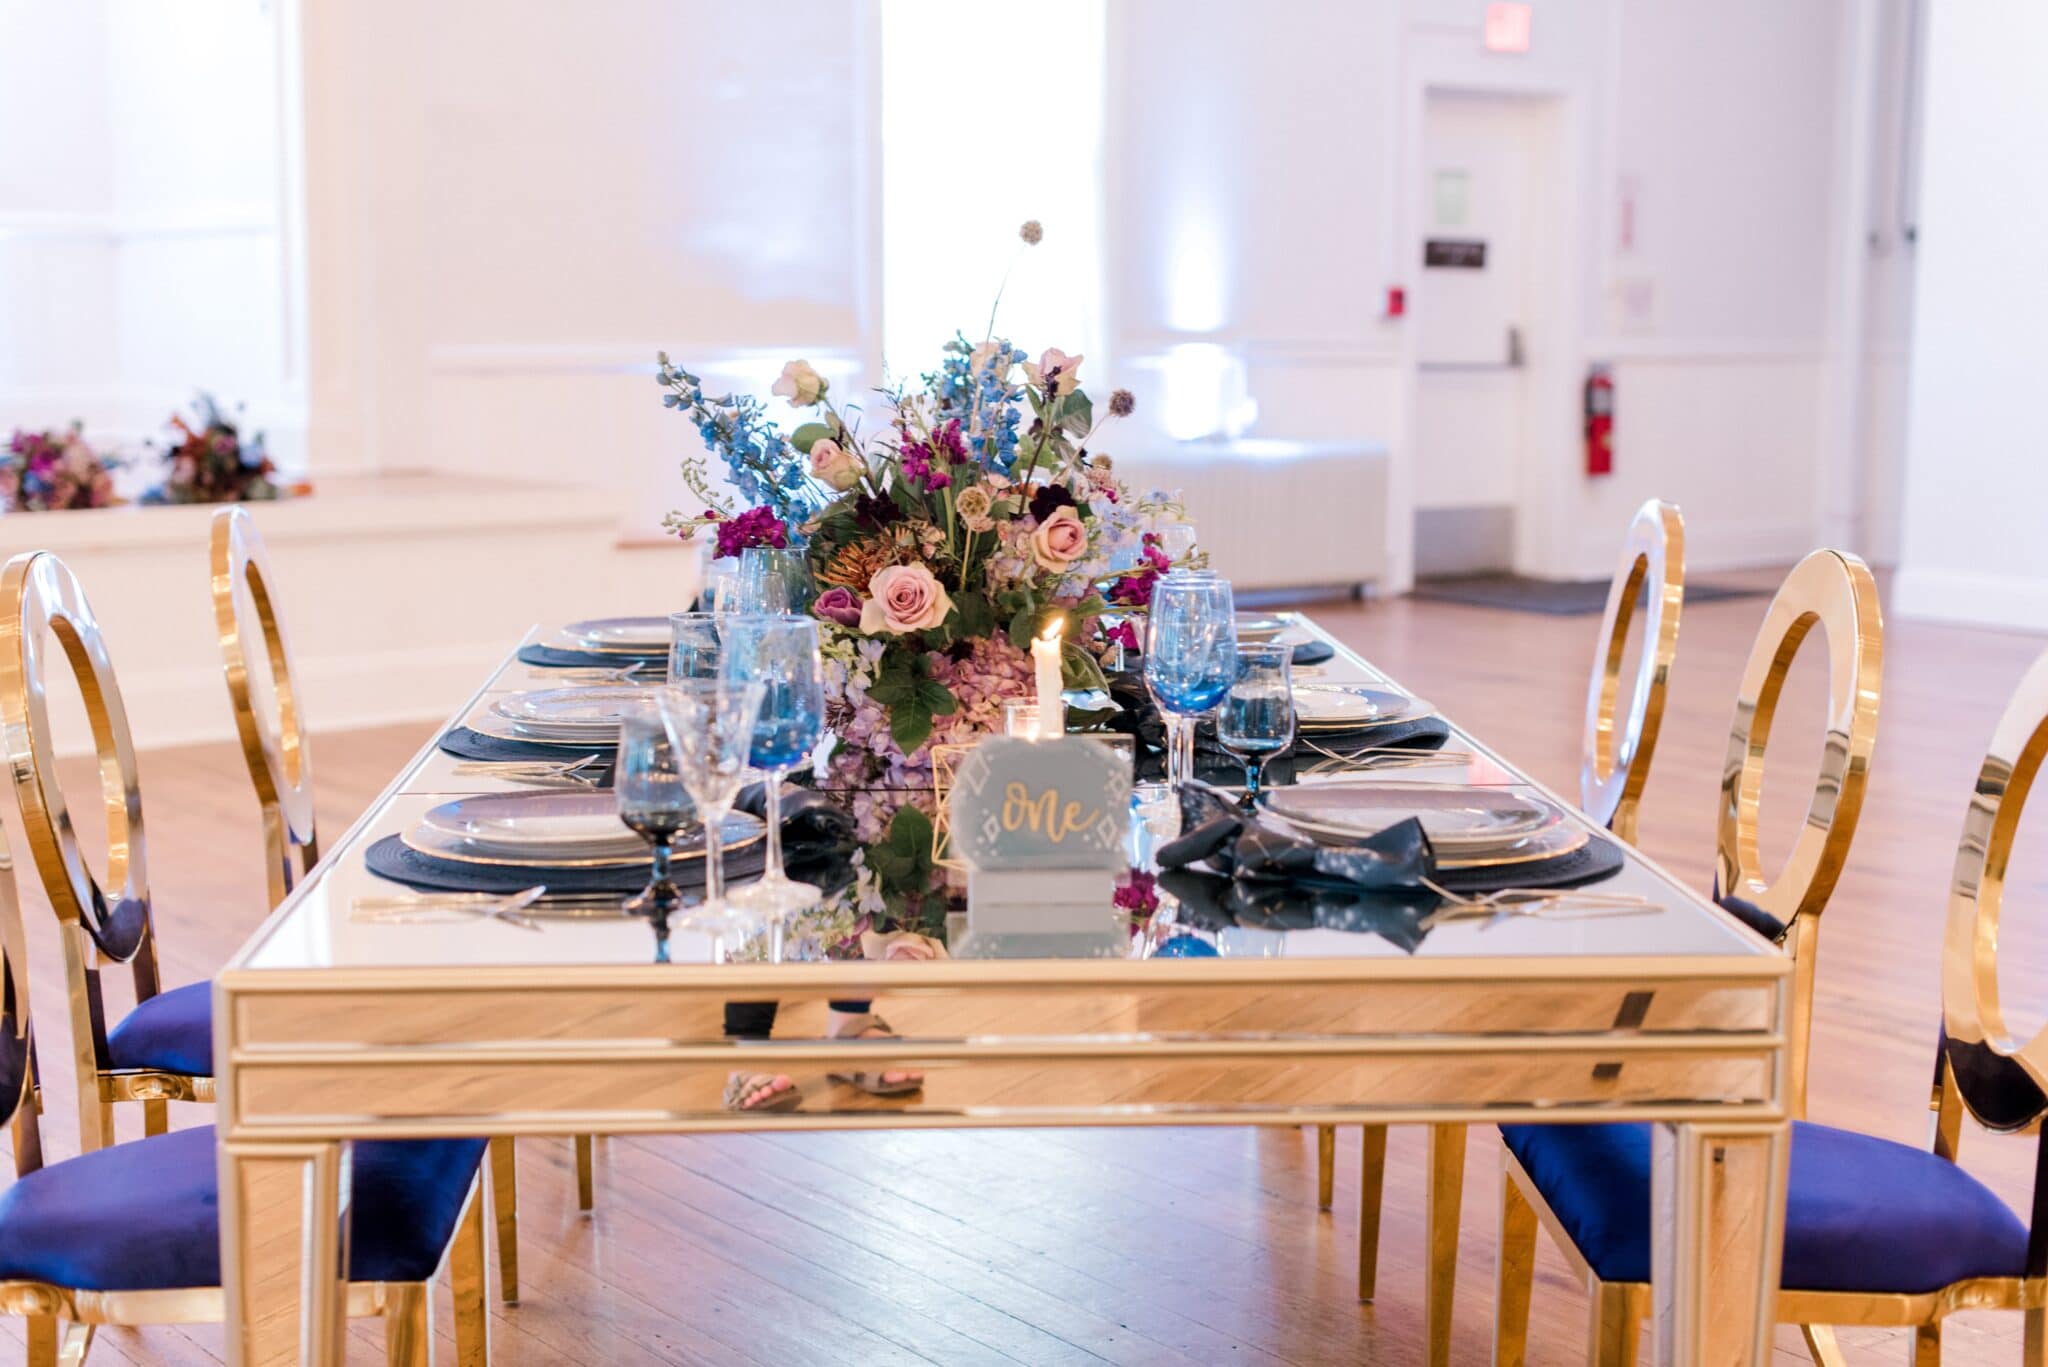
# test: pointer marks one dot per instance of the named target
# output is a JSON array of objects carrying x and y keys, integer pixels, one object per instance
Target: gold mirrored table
[{"x": 330, "y": 1029}]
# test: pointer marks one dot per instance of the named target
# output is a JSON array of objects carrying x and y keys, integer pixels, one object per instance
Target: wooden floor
[{"x": 1167, "y": 1245}]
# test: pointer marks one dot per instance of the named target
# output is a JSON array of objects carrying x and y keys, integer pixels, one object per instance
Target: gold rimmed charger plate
[
  {"x": 1406, "y": 707},
  {"x": 419, "y": 841},
  {"x": 488, "y": 723},
  {"x": 1554, "y": 841}
]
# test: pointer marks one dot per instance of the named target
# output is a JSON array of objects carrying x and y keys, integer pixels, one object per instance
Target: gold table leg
[
  {"x": 1372, "y": 1181},
  {"x": 1717, "y": 1232},
  {"x": 1441, "y": 1211},
  {"x": 283, "y": 1224}
]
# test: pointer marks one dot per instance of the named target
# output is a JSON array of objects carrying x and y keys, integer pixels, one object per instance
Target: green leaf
[
  {"x": 902, "y": 859},
  {"x": 910, "y": 725},
  {"x": 938, "y": 698},
  {"x": 1078, "y": 669},
  {"x": 1077, "y": 413},
  {"x": 977, "y": 618},
  {"x": 809, "y": 435},
  {"x": 1023, "y": 627}
]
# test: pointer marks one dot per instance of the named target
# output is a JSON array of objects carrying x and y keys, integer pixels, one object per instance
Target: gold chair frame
[
  {"x": 41, "y": 603},
  {"x": 1617, "y": 765},
  {"x": 280, "y": 763},
  {"x": 1835, "y": 591},
  {"x": 1617, "y": 759},
  {"x": 61, "y": 1321},
  {"x": 281, "y": 769}
]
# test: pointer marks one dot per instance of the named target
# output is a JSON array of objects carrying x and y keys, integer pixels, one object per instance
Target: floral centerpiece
[
  {"x": 209, "y": 461},
  {"x": 51, "y": 469},
  {"x": 973, "y": 514}
]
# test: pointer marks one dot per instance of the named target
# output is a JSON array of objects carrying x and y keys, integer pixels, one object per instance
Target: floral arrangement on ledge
[
  {"x": 974, "y": 516},
  {"x": 49, "y": 470},
  {"x": 210, "y": 462}
]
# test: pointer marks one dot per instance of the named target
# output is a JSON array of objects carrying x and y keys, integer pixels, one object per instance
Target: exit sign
[{"x": 1507, "y": 28}]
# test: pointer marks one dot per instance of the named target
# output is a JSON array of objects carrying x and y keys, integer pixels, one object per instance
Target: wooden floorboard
[{"x": 1167, "y": 1246}]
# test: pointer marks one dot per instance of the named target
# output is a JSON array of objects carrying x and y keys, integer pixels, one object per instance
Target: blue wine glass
[
  {"x": 1257, "y": 721},
  {"x": 1190, "y": 659},
  {"x": 780, "y": 652}
]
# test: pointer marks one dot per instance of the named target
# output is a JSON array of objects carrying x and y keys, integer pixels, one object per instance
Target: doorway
[{"x": 1488, "y": 256}]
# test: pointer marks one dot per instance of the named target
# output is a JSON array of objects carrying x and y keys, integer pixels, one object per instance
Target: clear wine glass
[
  {"x": 654, "y": 805},
  {"x": 1190, "y": 659},
  {"x": 774, "y": 581},
  {"x": 781, "y": 653},
  {"x": 711, "y": 725},
  {"x": 692, "y": 645},
  {"x": 1257, "y": 721},
  {"x": 721, "y": 591}
]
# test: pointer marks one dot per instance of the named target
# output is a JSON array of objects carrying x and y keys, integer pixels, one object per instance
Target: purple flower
[
  {"x": 1133, "y": 590},
  {"x": 838, "y": 605},
  {"x": 754, "y": 527},
  {"x": 1050, "y": 500}
]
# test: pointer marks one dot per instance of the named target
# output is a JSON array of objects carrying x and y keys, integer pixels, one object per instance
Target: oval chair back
[
  {"x": 20, "y": 1088},
  {"x": 102, "y": 917},
  {"x": 256, "y": 659},
  {"x": 1834, "y": 591},
  {"x": 1617, "y": 756},
  {"x": 2000, "y": 1079}
]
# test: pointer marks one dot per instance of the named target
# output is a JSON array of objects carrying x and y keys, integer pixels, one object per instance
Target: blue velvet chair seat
[
  {"x": 145, "y": 1216},
  {"x": 172, "y": 1032},
  {"x": 1862, "y": 1214}
]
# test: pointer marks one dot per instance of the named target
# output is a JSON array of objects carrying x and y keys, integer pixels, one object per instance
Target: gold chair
[
  {"x": 1616, "y": 766},
  {"x": 130, "y": 1235},
  {"x": 162, "y": 1051},
  {"x": 1566, "y": 1177},
  {"x": 274, "y": 744}
]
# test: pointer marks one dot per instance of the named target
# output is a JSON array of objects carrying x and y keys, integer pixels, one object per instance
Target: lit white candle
[{"x": 1045, "y": 654}]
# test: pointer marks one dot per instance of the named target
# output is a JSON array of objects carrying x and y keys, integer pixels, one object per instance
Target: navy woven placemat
[
  {"x": 392, "y": 858},
  {"x": 464, "y": 743},
  {"x": 554, "y": 657},
  {"x": 1598, "y": 858}
]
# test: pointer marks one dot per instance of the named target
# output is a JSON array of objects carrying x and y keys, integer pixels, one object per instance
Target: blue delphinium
[
  {"x": 985, "y": 405},
  {"x": 765, "y": 470}
]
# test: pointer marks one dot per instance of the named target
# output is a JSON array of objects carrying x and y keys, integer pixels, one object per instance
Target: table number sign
[{"x": 1041, "y": 826}]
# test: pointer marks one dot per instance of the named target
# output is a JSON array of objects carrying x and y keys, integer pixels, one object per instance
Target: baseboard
[{"x": 1986, "y": 600}]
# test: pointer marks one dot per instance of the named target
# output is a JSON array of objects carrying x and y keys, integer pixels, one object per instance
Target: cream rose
[
  {"x": 833, "y": 464},
  {"x": 1056, "y": 369},
  {"x": 1060, "y": 540},
  {"x": 904, "y": 598},
  {"x": 800, "y": 384}
]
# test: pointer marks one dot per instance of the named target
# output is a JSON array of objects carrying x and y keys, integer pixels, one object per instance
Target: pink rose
[
  {"x": 904, "y": 598},
  {"x": 1060, "y": 540},
  {"x": 1056, "y": 371},
  {"x": 833, "y": 465},
  {"x": 838, "y": 605}
]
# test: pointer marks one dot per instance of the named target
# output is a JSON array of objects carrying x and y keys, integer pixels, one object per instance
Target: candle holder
[{"x": 1028, "y": 721}]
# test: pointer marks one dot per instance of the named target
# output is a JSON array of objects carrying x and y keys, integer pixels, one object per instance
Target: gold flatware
[
  {"x": 536, "y": 770},
  {"x": 1506, "y": 903},
  {"x": 399, "y": 910}
]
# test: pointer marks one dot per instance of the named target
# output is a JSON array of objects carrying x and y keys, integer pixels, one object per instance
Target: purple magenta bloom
[{"x": 838, "y": 605}]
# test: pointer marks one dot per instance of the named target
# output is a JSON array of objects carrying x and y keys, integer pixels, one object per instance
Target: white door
[{"x": 1472, "y": 318}]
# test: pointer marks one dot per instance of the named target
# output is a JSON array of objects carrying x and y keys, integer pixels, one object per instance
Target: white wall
[
  {"x": 1264, "y": 190},
  {"x": 1976, "y": 478},
  {"x": 515, "y": 203},
  {"x": 146, "y": 217}
]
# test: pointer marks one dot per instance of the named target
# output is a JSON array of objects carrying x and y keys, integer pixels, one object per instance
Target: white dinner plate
[
  {"x": 593, "y": 740},
  {"x": 561, "y": 830},
  {"x": 1259, "y": 626},
  {"x": 1321, "y": 706},
  {"x": 1454, "y": 818},
  {"x": 634, "y": 635},
  {"x": 571, "y": 709}
]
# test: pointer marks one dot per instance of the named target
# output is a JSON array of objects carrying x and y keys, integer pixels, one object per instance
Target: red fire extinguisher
[{"x": 1600, "y": 420}]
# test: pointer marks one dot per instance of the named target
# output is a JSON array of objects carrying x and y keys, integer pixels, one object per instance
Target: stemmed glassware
[
  {"x": 1257, "y": 721},
  {"x": 721, "y": 591},
  {"x": 711, "y": 726},
  {"x": 774, "y": 580},
  {"x": 781, "y": 653},
  {"x": 1190, "y": 659},
  {"x": 692, "y": 645},
  {"x": 654, "y": 804}
]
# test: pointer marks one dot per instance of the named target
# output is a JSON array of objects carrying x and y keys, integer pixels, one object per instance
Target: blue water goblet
[
  {"x": 1257, "y": 720},
  {"x": 1190, "y": 659},
  {"x": 780, "y": 652}
]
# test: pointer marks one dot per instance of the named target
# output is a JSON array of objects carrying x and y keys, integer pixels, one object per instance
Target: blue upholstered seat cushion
[
  {"x": 1862, "y": 1214},
  {"x": 145, "y": 1216},
  {"x": 172, "y": 1032}
]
